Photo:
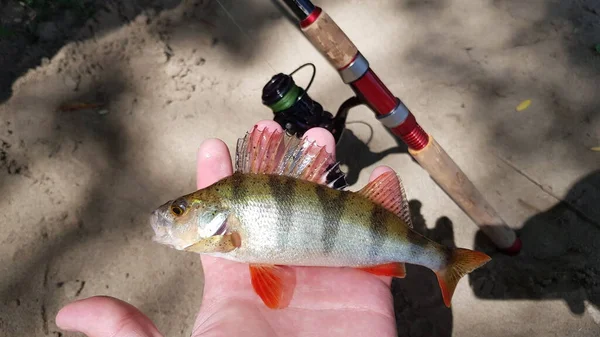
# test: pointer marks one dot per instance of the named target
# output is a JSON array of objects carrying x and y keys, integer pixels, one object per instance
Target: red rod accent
[
  {"x": 416, "y": 138},
  {"x": 375, "y": 93},
  {"x": 515, "y": 248},
  {"x": 349, "y": 63},
  {"x": 311, "y": 18}
]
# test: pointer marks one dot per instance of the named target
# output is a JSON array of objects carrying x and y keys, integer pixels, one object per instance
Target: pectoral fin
[
  {"x": 395, "y": 269},
  {"x": 273, "y": 284},
  {"x": 216, "y": 244}
]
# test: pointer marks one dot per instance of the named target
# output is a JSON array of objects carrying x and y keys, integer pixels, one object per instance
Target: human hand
[{"x": 326, "y": 301}]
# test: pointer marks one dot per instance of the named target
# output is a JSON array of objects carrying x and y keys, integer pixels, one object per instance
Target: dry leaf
[
  {"x": 523, "y": 105},
  {"x": 596, "y": 149}
]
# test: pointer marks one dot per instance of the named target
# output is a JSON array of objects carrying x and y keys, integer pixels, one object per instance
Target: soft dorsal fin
[
  {"x": 387, "y": 190},
  {"x": 275, "y": 152}
]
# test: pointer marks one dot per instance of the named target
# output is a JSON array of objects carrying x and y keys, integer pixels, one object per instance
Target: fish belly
[{"x": 302, "y": 239}]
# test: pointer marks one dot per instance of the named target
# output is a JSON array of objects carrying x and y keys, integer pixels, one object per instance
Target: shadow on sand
[
  {"x": 561, "y": 247},
  {"x": 560, "y": 258},
  {"x": 420, "y": 310},
  {"x": 32, "y": 33},
  {"x": 105, "y": 209},
  {"x": 356, "y": 154}
]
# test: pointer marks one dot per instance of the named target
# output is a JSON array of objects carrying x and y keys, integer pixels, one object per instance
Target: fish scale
[
  {"x": 292, "y": 227},
  {"x": 285, "y": 205}
]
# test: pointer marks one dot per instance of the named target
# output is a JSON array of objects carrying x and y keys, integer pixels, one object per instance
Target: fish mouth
[{"x": 159, "y": 226}]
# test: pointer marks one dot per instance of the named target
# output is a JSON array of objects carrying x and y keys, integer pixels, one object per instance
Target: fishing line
[
  {"x": 243, "y": 32},
  {"x": 313, "y": 74},
  {"x": 293, "y": 109}
]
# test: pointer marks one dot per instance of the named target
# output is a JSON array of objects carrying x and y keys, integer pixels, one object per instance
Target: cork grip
[
  {"x": 450, "y": 177},
  {"x": 331, "y": 41}
]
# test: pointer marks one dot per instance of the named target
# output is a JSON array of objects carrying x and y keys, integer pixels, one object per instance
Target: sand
[{"x": 162, "y": 76}]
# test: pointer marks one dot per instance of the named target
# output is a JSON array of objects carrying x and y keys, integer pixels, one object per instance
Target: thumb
[{"x": 105, "y": 317}]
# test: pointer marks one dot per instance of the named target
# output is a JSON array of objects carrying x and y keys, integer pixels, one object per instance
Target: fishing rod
[{"x": 296, "y": 112}]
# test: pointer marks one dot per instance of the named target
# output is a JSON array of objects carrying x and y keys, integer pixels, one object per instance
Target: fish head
[{"x": 187, "y": 220}]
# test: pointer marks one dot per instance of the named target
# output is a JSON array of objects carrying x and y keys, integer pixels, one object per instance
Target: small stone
[
  {"x": 173, "y": 69},
  {"x": 142, "y": 19},
  {"x": 71, "y": 82},
  {"x": 103, "y": 112},
  {"x": 162, "y": 57},
  {"x": 199, "y": 60}
]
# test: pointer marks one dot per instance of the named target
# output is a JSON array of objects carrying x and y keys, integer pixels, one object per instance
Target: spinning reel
[{"x": 297, "y": 112}]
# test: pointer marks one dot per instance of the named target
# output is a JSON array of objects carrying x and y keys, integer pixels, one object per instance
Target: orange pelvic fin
[
  {"x": 387, "y": 190},
  {"x": 273, "y": 284},
  {"x": 462, "y": 262},
  {"x": 395, "y": 269}
]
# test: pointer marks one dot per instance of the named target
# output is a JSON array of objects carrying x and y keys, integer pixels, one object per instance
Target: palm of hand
[{"x": 326, "y": 301}]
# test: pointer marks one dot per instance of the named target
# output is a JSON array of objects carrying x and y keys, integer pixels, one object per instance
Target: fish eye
[{"x": 178, "y": 207}]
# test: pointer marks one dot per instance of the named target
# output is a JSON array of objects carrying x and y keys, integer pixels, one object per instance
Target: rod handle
[
  {"x": 330, "y": 40},
  {"x": 446, "y": 173}
]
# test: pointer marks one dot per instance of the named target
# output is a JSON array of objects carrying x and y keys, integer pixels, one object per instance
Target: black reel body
[{"x": 297, "y": 112}]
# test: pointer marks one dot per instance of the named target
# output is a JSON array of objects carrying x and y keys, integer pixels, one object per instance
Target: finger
[
  {"x": 269, "y": 124},
  {"x": 322, "y": 137},
  {"x": 213, "y": 162},
  {"x": 105, "y": 317},
  {"x": 214, "y": 159},
  {"x": 379, "y": 170}
]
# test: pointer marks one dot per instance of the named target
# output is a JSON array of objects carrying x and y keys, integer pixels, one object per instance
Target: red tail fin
[{"x": 462, "y": 262}]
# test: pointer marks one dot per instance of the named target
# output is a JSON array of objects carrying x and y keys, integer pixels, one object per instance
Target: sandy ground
[{"x": 77, "y": 186}]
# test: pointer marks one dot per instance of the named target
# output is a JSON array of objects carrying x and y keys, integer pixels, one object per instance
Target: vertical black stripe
[
  {"x": 416, "y": 239},
  {"x": 238, "y": 190},
  {"x": 378, "y": 229},
  {"x": 283, "y": 190},
  {"x": 333, "y": 209},
  {"x": 418, "y": 243}
]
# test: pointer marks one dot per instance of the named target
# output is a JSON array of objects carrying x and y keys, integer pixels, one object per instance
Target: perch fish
[{"x": 285, "y": 205}]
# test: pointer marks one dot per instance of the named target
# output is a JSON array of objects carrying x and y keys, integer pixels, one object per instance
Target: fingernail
[
  {"x": 266, "y": 124},
  {"x": 322, "y": 137}
]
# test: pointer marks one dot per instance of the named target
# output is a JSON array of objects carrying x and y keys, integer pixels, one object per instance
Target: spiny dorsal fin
[
  {"x": 387, "y": 190},
  {"x": 275, "y": 152}
]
